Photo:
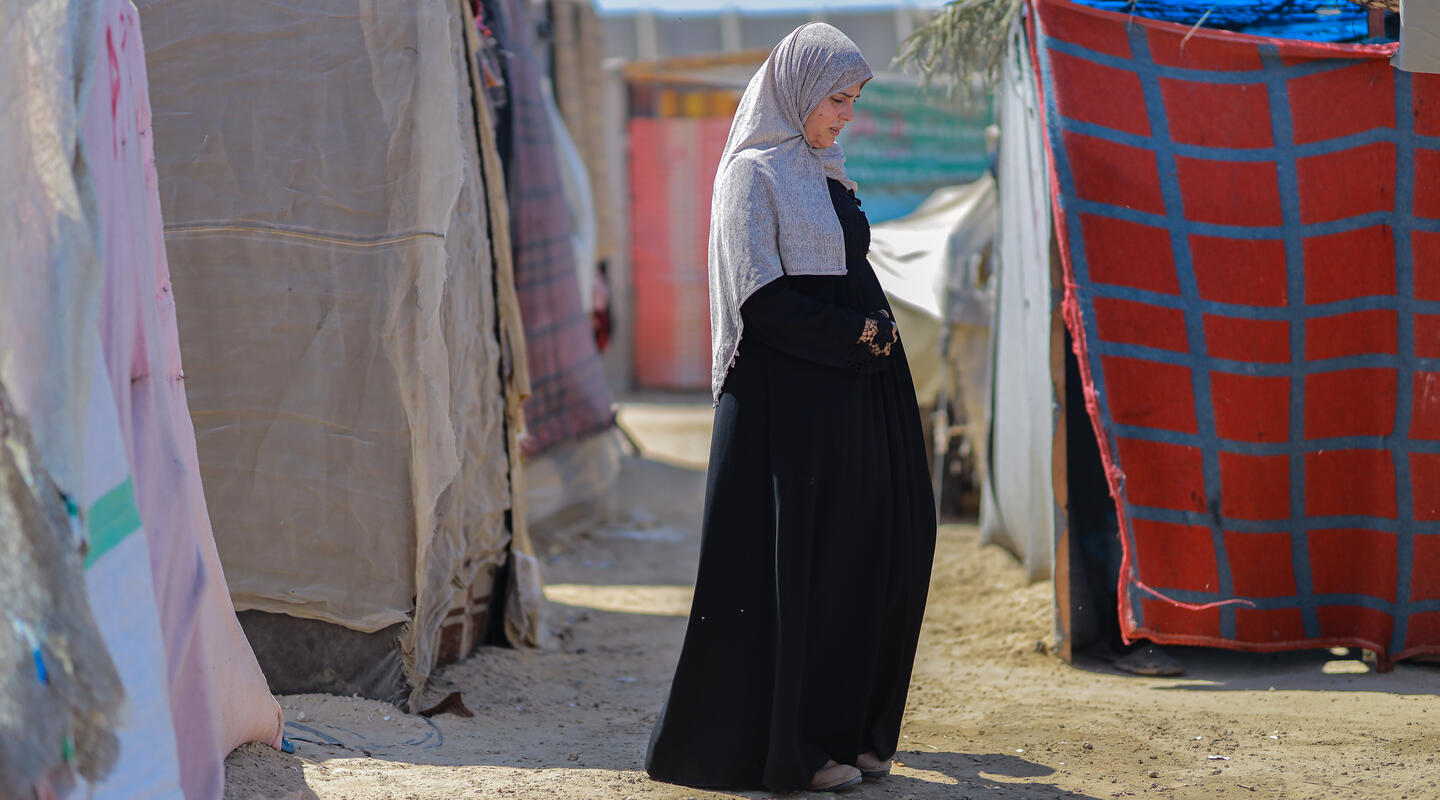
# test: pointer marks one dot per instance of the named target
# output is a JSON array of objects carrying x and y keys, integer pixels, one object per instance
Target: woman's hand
[
  {"x": 878, "y": 341},
  {"x": 894, "y": 326}
]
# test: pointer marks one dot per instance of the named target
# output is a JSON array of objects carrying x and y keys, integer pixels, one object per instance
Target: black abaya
[{"x": 817, "y": 540}]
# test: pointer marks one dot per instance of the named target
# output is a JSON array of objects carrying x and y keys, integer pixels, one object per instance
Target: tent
[
  {"x": 1234, "y": 260},
  {"x": 90, "y": 357},
  {"x": 337, "y": 223},
  {"x": 934, "y": 265}
]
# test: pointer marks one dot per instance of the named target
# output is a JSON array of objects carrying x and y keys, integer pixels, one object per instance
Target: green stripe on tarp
[{"x": 112, "y": 518}]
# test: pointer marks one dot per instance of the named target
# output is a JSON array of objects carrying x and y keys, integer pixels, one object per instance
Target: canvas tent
[
  {"x": 337, "y": 224},
  {"x": 1234, "y": 260}
]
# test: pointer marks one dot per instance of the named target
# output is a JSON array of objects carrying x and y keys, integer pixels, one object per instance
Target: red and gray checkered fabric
[
  {"x": 1250, "y": 231},
  {"x": 569, "y": 394}
]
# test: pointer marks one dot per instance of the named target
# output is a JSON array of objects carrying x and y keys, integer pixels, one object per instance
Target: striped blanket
[
  {"x": 569, "y": 394},
  {"x": 1250, "y": 233}
]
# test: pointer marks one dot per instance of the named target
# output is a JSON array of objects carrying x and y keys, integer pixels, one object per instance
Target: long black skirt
[{"x": 817, "y": 541}]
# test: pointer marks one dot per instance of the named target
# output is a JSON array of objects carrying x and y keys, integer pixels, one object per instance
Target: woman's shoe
[
  {"x": 833, "y": 777},
  {"x": 871, "y": 766}
]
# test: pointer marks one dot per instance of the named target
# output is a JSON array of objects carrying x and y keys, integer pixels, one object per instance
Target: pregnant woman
[{"x": 819, "y": 528}]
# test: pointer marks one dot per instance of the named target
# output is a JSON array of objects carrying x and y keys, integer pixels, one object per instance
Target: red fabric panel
[
  {"x": 1357, "y": 181},
  {"x": 1175, "y": 556},
  {"x": 1229, "y": 192},
  {"x": 1343, "y": 266},
  {"x": 1427, "y": 335},
  {"x": 1423, "y": 632},
  {"x": 1074, "y": 25},
  {"x": 1239, "y": 339},
  {"x": 1366, "y": 92},
  {"x": 1341, "y": 482},
  {"x": 1260, "y": 564},
  {"x": 1427, "y": 167},
  {"x": 1251, "y": 408},
  {"x": 1352, "y": 402},
  {"x": 1356, "y": 624},
  {"x": 1115, "y": 174},
  {"x": 1424, "y": 248},
  {"x": 1425, "y": 406},
  {"x": 1353, "y": 562},
  {"x": 1425, "y": 569},
  {"x": 1255, "y": 487},
  {"x": 1248, "y": 271},
  {"x": 1355, "y": 334},
  {"x": 1129, "y": 322},
  {"x": 1274, "y": 625},
  {"x": 1178, "y": 49},
  {"x": 1425, "y": 103},
  {"x": 1425, "y": 486},
  {"x": 1126, "y": 253},
  {"x": 1150, "y": 394},
  {"x": 1425, "y": 255},
  {"x": 1163, "y": 616},
  {"x": 1173, "y": 476},
  {"x": 1311, "y": 176},
  {"x": 1091, "y": 92},
  {"x": 1217, "y": 114}
]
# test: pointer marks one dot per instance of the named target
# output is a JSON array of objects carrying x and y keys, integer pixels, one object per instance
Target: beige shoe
[
  {"x": 871, "y": 766},
  {"x": 833, "y": 777}
]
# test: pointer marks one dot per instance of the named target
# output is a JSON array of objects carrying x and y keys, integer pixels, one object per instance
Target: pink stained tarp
[{"x": 219, "y": 697}]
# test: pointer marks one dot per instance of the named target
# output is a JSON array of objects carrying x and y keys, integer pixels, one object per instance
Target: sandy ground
[{"x": 991, "y": 713}]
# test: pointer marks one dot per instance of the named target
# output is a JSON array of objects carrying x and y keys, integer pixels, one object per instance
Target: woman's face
[{"x": 826, "y": 121}]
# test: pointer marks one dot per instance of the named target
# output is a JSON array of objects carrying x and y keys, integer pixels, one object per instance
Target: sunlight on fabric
[{"x": 660, "y": 601}]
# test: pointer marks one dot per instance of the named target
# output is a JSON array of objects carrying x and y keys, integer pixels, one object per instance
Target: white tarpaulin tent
[
  {"x": 1018, "y": 501},
  {"x": 929, "y": 263},
  {"x": 1419, "y": 36}
]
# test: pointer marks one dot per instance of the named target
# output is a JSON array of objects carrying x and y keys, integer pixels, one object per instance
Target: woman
[{"x": 819, "y": 528}]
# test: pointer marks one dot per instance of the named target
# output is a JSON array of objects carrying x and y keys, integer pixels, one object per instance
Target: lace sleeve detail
[
  {"x": 876, "y": 340},
  {"x": 877, "y": 337}
]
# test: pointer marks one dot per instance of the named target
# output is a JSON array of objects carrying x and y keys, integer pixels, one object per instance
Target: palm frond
[{"x": 963, "y": 45}]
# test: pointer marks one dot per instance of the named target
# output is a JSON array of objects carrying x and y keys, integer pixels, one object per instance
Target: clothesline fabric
[
  {"x": 569, "y": 393},
  {"x": 1253, "y": 280}
]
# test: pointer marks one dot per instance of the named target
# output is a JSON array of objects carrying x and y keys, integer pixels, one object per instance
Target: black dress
[{"x": 817, "y": 540}]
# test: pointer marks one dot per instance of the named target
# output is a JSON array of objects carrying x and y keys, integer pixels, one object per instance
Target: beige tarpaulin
[{"x": 326, "y": 222}]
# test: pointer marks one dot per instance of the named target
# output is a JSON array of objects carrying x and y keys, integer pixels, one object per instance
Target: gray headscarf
[{"x": 770, "y": 214}]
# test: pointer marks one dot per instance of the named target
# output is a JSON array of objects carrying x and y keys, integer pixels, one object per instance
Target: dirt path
[{"x": 991, "y": 714}]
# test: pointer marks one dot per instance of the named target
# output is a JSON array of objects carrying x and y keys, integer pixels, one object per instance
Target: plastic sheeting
[
  {"x": 1315, "y": 20},
  {"x": 927, "y": 262},
  {"x": 1419, "y": 36},
  {"x": 326, "y": 225},
  {"x": 49, "y": 265},
  {"x": 1017, "y": 505}
]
